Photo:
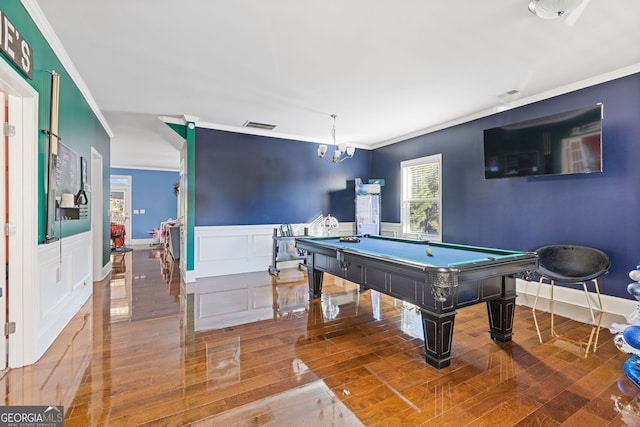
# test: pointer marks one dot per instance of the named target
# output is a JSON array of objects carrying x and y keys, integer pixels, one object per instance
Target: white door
[{"x": 4, "y": 107}]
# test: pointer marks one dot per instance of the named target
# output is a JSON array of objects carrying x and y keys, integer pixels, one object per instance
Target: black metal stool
[{"x": 573, "y": 265}]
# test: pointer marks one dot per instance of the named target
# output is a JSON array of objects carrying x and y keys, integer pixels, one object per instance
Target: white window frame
[{"x": 404, "y": 208}]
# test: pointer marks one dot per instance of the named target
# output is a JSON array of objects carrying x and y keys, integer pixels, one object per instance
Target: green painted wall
[
  {"x": 78, "y": 126},
  {"x": 188, "y": 190},
  {"x": 191, "y": 193}
]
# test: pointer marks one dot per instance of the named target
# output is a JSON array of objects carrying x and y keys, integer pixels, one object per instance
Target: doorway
[
  {"x": 98, "y": 243},
  {"x": 120, "y": 211},
  {"x": 19, "y": 208},
  {"x": 4, "y": 202}
]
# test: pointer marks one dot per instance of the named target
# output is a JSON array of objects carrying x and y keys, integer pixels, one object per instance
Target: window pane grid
[{"x": 421, "y": 196}]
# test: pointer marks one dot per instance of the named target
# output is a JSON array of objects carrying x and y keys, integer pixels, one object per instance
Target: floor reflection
[
  {"x": 627, "y": 404},
  {"x": 252, "y": 349},
  {"x": 223, "y": 363},
  {"x": 289, "y": 299},
  {"x": 328, "y": 410},
  {"x": 221, "y": 302},
  {"x": 120, "y": 287},
  {"x": 581, "y": 338}
]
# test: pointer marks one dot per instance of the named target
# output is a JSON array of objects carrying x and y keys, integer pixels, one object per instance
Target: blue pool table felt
[{"x": 415, "y": 251}]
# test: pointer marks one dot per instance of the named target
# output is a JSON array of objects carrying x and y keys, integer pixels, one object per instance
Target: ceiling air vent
[{"x": 257, "y": 125}]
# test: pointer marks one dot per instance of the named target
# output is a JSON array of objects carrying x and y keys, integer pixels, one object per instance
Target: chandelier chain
[
  {"x": 341, "y": 152},
  {"x": 333, "y": 130}
]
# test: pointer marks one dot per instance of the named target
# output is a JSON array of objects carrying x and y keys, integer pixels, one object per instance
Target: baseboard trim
[
  {"x": 141, "y": 242},
  {"x": 574, "y": 296},
  {"x": 104, "y": 273}
]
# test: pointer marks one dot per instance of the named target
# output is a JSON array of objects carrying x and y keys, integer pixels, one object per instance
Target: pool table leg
[
  {"x": 501, "y": 313},
  {"x": 438, "y": 334},
  {"x": 315, "y": 282}
]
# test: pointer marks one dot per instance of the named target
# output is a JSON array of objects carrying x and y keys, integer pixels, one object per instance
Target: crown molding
[
  {"x": 39, "y": 19},
  {"x": 592, "y": 81}
]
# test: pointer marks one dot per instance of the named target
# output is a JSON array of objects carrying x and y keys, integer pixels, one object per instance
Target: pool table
[{"x": 436, "y": 277}]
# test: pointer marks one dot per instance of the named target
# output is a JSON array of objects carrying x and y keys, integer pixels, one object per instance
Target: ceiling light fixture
[
  {"x": 340, "y": 152},
  {"x": 551, "y": 9}
]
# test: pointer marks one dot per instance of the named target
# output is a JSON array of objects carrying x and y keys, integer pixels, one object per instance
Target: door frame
[
  {"x": 4, "y": 117},
  {"x": 124, "y": 185},
  {"x": 23, "y": 213},
  {"x": 97, "y": 223}
]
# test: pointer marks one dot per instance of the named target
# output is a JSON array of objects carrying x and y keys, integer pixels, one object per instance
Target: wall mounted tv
[{"x": 564, "y": 143}]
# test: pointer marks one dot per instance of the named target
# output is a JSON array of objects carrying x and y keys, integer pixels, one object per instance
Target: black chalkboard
[{"x": 66, "y": 171}]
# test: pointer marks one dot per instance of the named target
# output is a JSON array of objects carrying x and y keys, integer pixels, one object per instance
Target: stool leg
[
  {"x": 595, "y": 282},
  {"x": 535, "y": 302},
  {"x": 535, "y": 320},
  {"x": 533, "y": 309},
  {"x": 553, "y": 332},
  {"x": 586, "y": 294},
  {"x": 595, "y": 344},
  {"x": 594, "y": 331}
]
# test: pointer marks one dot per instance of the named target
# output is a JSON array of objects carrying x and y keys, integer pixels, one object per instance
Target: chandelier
[
  {"x": 340, "y": 152},
  {"x": 550, "y": 9}
]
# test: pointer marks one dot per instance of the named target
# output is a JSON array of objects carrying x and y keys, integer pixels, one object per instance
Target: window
[{"x": 422, "y": 197}]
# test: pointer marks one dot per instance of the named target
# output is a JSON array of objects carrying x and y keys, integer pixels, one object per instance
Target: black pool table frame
[{"x": 436, "y": 291}]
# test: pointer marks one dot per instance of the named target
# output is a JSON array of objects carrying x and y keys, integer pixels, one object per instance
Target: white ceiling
[{"x": 387, "y": 68}]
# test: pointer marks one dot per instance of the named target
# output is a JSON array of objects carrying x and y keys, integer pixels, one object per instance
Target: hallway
[{"x": 136, "y": 355}]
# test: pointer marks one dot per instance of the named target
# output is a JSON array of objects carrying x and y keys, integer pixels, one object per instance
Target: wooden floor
[{"x": 132, "y": 356}]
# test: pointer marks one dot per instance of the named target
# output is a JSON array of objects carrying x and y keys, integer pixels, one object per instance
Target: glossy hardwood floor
[{"x": 141, "y": 353}]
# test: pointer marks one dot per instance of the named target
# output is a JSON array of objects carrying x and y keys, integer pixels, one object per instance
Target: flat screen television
[{"x": 564, "y": 143}]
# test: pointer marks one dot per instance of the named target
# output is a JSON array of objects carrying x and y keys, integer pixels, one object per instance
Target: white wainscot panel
[
  {"x": 53, "y": 288},
  {"x": 81, "y": 260},
  {"x": 233, "y": 249},
  {"x": 64, "y": 285},
  {"x": 242, "y": 249},
  {"x": 219, "y": 248},
  {"x": 262, "y": 244}
]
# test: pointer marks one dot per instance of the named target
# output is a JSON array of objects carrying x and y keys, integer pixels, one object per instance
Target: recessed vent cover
[
  {"x": 257, "y": 125},
  {"x": 508, "y": 96}
]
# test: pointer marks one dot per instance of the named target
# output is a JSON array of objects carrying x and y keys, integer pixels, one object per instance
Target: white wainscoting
[
  {"x": 572, "y": 296},
  {"x": 242, "y": 248},
  {"x": 64, "y": 284},
  {"x": 391, "y": 229}
]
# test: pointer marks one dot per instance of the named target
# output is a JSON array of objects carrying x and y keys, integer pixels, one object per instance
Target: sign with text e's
[{"x": 14, "y": 47}]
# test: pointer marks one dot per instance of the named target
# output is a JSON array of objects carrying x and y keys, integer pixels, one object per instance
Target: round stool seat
[{"x": 571, "y": 263}]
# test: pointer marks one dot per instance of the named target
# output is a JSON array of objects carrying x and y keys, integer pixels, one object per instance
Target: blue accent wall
[
  {"x": 600, "y": 210},
  {"x": 152, "y": 191},
  {"x": 246, "y": 179}
]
